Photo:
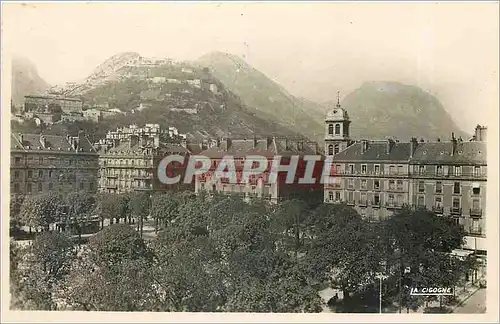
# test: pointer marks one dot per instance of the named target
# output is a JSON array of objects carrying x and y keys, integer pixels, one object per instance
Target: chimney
[
  {"x": 389, "y": 146},
  {"x": 480, "y": 133},
  {"x": 134, "y": 140},
  {"x": 413, "y": 146},
  {"x": 269, "y": 142},
  {"x": 156, "y": 140},
  {"x": 453, "y": 144},
  {"x": 43, "y": 141},
  {"x": 184, "y": 142}
]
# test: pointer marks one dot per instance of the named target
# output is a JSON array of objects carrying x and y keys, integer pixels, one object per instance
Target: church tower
[{"x": 337, "y": 129}]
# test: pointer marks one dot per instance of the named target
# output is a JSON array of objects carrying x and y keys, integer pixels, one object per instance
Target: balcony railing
[
  {"x": 455, "y": 210},
  {"x": 437, "y": 209},
  {"x": 393, "y": 205},
  {"x": 478, "y": 212},
  {"x": 362, "y": 202},
  {"x": 475, "y": 231}
]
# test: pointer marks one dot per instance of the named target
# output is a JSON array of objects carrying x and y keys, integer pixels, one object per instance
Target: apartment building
[
  {"x": 52, "y": 164},
  {"x": 378, "y": 178},
  {"x": 258, "y": 185}
]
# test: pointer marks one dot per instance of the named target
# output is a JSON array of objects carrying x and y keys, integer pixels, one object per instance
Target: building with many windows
[
  {"x": 378, "y": 177},
  {"x": 258, "y": 185},
  {"x": 52, "y": 164}
]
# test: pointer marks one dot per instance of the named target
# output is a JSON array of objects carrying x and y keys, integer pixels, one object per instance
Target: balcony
[
  {"x": 113, "y": 176},
  {"x": 476, "y": 231},
  {"x": 476, "y": 212},
  {"x": 393, "y": 205},
  {"x": 437, "y": 209},
  {"x": 455, "y": 211},
  {"x": 363, "y": 202},
  {"x": 111, "y": 186}
]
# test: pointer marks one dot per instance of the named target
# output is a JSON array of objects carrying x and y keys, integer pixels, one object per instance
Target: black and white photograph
[{"x": 309, "y": 160}]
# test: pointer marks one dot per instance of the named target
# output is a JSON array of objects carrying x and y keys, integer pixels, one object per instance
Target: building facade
[
  {"x": 35, "y": 103},
  {"x": 378, "y": 178},
  {"x": 52, "y": 164},
  {"x": 258, "y": 185}
]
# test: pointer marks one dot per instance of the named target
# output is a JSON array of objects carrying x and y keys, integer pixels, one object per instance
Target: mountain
[
  {"x": 390, "y": 109},
  {"x": 265, "y": 97},
  {"x": 25, "y": 80}
]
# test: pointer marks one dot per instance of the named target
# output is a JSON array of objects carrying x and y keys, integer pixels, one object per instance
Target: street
[{"x": 474, "y": 305}]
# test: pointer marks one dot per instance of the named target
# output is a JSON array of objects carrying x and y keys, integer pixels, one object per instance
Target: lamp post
[{"x": 381, "y": 277}]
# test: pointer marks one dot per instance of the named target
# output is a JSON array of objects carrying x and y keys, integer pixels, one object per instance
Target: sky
[{"x": 312, "y": 49}]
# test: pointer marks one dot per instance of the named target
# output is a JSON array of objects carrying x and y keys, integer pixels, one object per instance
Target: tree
[
  {"x": 421, "y": 241},
  {"x": 343, "y": 250},
  {"x": 48, "y": 263},
  {"x": 40, "y": 211},
  {"x": 139, "y": 206},
  {"x": 16, "y": 202},
  {"x": 108, "y": 207},
  {"x": 81, "y": 206}
]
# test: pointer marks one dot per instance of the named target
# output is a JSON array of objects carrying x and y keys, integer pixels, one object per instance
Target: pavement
[{"x": 473, "y": 304}]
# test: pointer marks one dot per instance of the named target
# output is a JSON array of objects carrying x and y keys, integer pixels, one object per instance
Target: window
[
  {"x": 16, "y": 187},
  {"x": 338, "y": 168},
  {"x": 439, "y": 187},
  {"x": 40, "y": 187},
  {"x": 351, "y": 168},
  {"x": 337, "y": 129},
  {"x": 336, "y": 149},
  {"x": 330, "y": 129},
  {"x": 50, "y": 173},
  {"x": 390, "y": 199},
  {"x": 475, "y": 204},
  {"x": 330, "y": 195},
  {"x": 18, "y": 160},
  {"x": 438, "y": 202},
  {"x": 363, "y": 184},
  {"x": 456, "y": 203},
  {"x": 16, "y": 174},
  {"x": 391, "y": 184},
  {"x": 40, "y": 160},
  {"x": 476, "y": 190},
  {"x": 421, "y": 169},
  {"x": 30, "y": 174},
  {"x": 458, "y": 171},
  {"x": 421, "y": 201},
  {"x": 477, "y": 171},
  {"x": 400, "y": 169},
  {"x": 51, "y": 186},
  {"x": 400, "y": 200},
  {"x": 363, "y": 197},
  {"x": 421, "y": 186},
  {"x": 392, "y": 169},
  {"x": 91, "y": 186},
  {"x": 351, "y": 196},
  {"x": 475, "y": 228},
  {"x": 363, "y": 168},
  {"x": 376, "y": 184},
  {"x": 70, "y": 161},
  {"x": 377, "y": 169},
  {"x": 456, "y": 188},
  {"x": 330, "y": 149},
  {"x": 337, "y": 195},
  {"x": 363, "y": 212},
  {"x": 376, "y": 199},
  {"x": 28, "y": 188},
  {"x": 439, "y": 170},
  {"x": 40, "y": 173},
  {"x": 350, "y": 183},
  {"x": 399, "y": 185}
]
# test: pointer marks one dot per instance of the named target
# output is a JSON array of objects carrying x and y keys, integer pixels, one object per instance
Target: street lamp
[{"x": 381, "y": 277}]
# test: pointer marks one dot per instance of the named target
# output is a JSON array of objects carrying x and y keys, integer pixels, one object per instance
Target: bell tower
[{"x": 336, "y": 129}]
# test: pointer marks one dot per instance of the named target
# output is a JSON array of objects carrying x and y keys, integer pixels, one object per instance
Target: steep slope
[
  {"x": 390, "y": 109},
  {"x": 25, "y": 80},
  {"x": 264, "y": 96}
]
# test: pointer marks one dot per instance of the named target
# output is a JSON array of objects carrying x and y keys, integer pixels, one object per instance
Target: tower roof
[{"x": 337, "y": 113}]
